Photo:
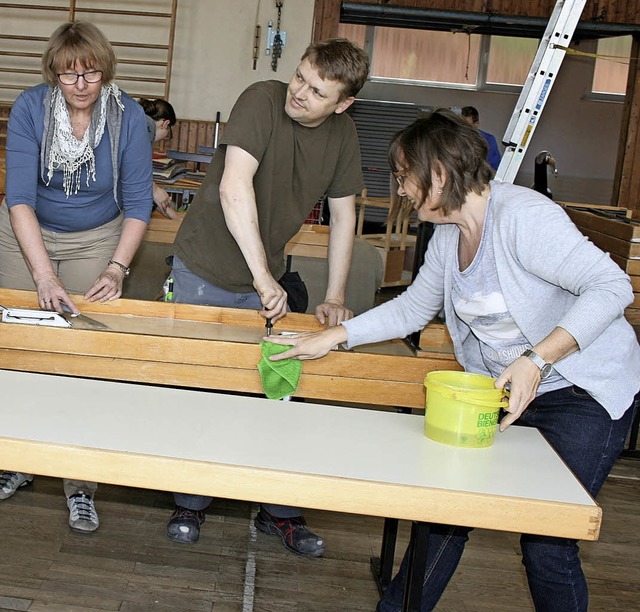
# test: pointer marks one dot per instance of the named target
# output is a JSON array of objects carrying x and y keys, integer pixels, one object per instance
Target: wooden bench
[{"x": 333, "y": 458}]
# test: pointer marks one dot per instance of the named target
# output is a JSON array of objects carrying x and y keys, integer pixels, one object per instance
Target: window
[
  {"x": 425, "y": 55},
  {"x": 445, "y": 59},
  {"x": 612, "y": 66},
  {"x": 510, "y": 59}
]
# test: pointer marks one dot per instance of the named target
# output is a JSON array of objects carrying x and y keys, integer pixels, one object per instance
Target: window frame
[{"x": 481, "y": 76}]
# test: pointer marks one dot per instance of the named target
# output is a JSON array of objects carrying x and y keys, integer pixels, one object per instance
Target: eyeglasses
[{"x": 71, "y": 78}]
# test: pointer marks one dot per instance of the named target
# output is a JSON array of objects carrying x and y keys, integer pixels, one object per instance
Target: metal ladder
[{"x": 535, "y": 91}]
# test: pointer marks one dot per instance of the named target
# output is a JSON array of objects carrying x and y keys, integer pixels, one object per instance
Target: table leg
[
  {"x": 417, "y": 566},
  {"x": 382, "y": 567}
]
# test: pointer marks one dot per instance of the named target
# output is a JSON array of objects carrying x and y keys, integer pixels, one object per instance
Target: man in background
[{"x": 470, "y": 113}]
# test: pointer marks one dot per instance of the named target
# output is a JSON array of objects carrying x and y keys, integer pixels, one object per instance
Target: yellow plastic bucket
[{"x": 462, "y": 408}]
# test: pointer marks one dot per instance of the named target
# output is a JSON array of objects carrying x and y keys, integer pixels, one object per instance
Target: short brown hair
[
  {"x": 78, "y": 41},
  {"x": 338, "y": 59},
  {"x": 442, "y": 143}
]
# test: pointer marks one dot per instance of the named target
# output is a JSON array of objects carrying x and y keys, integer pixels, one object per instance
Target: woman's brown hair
[
  {"x": 444, "y": 144},
  {"x": 82, "y": 42}
]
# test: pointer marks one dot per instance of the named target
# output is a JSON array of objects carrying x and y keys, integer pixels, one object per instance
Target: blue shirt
[
  {"x": 494, "y": 156},
  {"x": 93, "y": 205}
]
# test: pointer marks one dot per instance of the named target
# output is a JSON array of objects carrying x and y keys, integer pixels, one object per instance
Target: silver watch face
[{"x": 545, "y": 371}]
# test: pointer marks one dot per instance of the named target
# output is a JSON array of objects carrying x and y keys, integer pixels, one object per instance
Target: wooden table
[
  {"x": 335, "y": 458},
  {"x": 210, "y": 348}
]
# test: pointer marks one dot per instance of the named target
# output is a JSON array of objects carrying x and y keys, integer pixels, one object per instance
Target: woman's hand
[
  {"x": 52, "y": 294},
  {"x": 163, "y": 201},
  {"x": 523, "y": 378},
  {"x": 108, "y": 286},
  {"x": 309, "y": 345}
]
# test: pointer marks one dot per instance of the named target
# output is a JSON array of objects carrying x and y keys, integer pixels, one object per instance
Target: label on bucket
[{"x": 488, "y": 419}]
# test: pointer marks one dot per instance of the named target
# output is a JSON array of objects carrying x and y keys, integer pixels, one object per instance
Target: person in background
[
  {"x": 160, "y": 119},
  {"x": 471, "y": 115},
  {"x": 78, "y": 200},
  {"x": 284, "y": 146},
  {"x": 528, "y": 300}
]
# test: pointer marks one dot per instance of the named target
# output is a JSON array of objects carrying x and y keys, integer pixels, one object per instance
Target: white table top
[{"x": 346, "y": 444}]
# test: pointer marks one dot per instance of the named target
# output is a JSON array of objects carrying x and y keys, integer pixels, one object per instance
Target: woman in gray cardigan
[{"x": 528, "y": 300}]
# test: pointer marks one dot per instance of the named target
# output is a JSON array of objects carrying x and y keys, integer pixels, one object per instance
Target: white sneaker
[
  {"x": 10, "y": 482},
  {"x": 82, "y": 513}
]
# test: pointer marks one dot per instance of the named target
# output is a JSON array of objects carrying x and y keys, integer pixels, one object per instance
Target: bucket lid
[{"x": 464, "y": 385}]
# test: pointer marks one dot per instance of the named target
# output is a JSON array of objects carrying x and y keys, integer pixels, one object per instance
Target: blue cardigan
[
  {"x": 92, "y": 206},
  {"x": 551, "y": 276}
]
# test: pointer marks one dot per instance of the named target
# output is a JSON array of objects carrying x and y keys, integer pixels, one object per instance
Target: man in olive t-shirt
[{"x": 284, "y": 146}]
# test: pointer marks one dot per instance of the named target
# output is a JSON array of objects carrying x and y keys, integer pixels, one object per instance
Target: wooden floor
[{"x": 129, "y": 565}]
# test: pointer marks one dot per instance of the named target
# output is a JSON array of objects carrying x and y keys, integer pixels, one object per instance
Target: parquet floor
[{"x": 129, "y": 565}]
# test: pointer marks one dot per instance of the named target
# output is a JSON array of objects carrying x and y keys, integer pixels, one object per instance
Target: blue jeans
[
  {"x": 189, "y": 288},
  {"x": 589, "y": 442}
]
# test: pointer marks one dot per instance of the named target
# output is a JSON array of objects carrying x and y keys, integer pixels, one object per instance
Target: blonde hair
[{"x": 82, "y": 42}]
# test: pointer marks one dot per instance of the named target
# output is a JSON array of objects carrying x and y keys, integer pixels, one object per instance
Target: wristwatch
[
  {"x": 126, "y": 271},
  {"x": 545, "y": 368}
]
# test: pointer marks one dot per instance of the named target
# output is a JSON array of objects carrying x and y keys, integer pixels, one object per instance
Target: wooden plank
[
  {"x": 599, "y": 223},
  {"x": 211, "y": 348},
  {"x": 635, "y": 282},
  {"x": 435, "y": 337},
  {"x": 163, "y": 310},
  {"x": 310, "y": 241},
  {"x": 622, "y": 248},
  {"x": 630, "y": 266},
  {"x": 632, "y": 315}
]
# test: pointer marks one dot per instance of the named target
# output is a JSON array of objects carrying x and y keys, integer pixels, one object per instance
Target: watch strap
[
  {"x": 120, "y": 266},
  {"x": 544, "y": 367}
]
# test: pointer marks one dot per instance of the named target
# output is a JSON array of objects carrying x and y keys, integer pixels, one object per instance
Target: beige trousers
[{"x": 78, "y": 258}]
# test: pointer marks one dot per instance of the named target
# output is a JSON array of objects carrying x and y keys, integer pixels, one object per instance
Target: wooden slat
[
  {"x": 310, "y": 241},
  {"x": 612, "y": 245},
  {"x": 210, "y": 348},
  {"x": 630, "y": 266},
  {"x": 601, "y": 224}
]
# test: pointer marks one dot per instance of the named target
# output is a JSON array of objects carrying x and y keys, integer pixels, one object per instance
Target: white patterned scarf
[{"x": 61, "y": 150}]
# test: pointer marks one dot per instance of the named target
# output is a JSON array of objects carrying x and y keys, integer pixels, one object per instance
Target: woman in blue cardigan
[
  {"x": 528, "y": 300},
  {"x": 79, "y": 181}
]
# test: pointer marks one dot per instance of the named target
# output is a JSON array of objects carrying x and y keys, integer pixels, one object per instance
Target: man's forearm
[{"x": 341, "y": 241}]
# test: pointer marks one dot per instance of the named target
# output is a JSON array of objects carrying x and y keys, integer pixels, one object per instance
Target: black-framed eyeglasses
[{"x": 71, "y": 78}]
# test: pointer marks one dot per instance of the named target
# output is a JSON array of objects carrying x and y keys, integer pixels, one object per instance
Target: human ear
[{"x": 345, "y": 104}]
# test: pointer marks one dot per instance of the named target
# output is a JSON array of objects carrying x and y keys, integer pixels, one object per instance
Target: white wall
[{"x": 212, "y": 62}]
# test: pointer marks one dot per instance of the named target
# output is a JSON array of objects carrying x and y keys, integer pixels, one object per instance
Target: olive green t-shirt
[{"x": 297, "y": 165}]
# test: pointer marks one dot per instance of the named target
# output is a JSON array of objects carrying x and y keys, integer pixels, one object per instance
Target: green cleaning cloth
[{"x": 279, "y": 378}]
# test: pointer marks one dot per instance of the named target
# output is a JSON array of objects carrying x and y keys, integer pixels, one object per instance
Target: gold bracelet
[{"x": 126, "y": 271}]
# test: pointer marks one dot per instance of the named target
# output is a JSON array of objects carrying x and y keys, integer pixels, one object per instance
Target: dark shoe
[
  {"x": 184, "y": 525},
  {"x": 293, "y": 532}
]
